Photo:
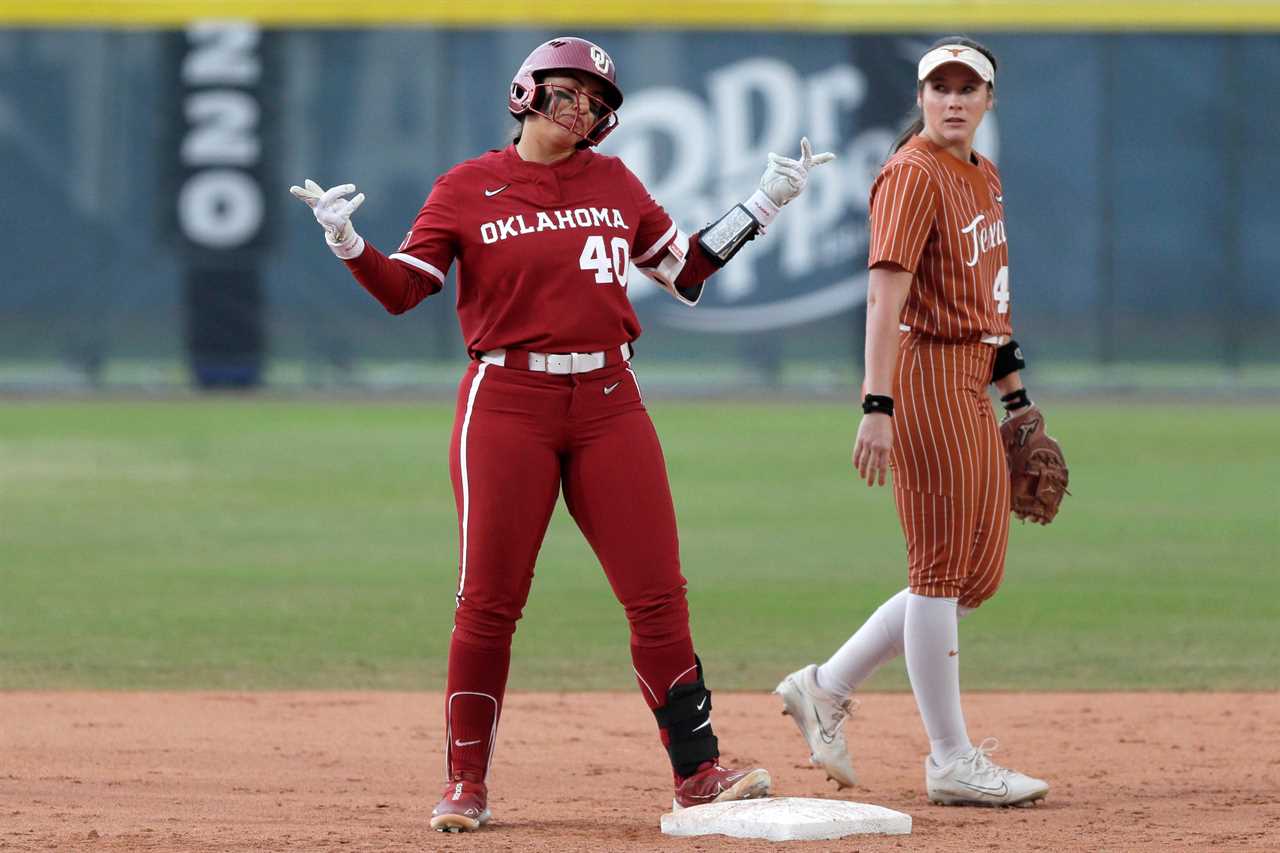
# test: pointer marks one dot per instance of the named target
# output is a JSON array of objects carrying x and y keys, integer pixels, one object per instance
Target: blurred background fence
[{"x": 150, "y": 241}]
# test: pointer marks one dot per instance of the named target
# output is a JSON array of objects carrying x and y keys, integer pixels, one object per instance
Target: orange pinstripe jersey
[{"x": 943, "y": 220}]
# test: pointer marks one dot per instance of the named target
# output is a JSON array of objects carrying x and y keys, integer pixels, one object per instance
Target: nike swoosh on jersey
[{"x": 492, "y": 193}]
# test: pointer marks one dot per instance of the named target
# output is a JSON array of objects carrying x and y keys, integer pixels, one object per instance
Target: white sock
[
  {"x": 877, "y": 642},
  {"x": 933, "y": 665}
]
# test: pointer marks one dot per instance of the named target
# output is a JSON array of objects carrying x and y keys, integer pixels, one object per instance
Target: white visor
[{"x": 956, "y": 53}]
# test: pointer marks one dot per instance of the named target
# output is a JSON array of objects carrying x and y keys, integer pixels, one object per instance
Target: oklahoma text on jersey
[{"x": 576, "y": 217}]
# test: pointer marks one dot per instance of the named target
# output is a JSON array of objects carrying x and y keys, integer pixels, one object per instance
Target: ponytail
[{"x": 913, "y": 128}]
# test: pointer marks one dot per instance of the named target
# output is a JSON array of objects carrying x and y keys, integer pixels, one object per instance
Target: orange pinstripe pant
[{"x": 950, "y": 478}]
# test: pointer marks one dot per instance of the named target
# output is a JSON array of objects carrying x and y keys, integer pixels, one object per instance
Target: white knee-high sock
[
  {"x": 933, "y": 665},
  {"x": 877, "y": 642}
]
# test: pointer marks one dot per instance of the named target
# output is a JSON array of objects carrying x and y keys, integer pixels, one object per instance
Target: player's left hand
[
  {"x": 786, "y": 178},
  {"x": 1038, "y": 476}
]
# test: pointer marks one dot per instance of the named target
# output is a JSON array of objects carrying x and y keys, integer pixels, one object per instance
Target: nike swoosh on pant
[{"x": 465, "y": 742}]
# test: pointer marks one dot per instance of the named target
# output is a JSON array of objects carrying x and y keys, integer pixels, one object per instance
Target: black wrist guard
[
  {"x": 1008, "y": 359},
  {"x": 877, "y": 403},
  {"x": 686, "y": 718},
  {"x": 724, "y": 238},
  {"x": 1015, "y": 400}
]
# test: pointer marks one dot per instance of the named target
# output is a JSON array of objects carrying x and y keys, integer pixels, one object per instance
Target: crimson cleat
[
  {"x": 715, "y": 784},
  {"x": 463, "y": 807}
]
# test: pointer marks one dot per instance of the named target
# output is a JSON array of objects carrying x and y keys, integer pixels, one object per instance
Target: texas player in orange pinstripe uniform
[{"x": 938, "y": 333}]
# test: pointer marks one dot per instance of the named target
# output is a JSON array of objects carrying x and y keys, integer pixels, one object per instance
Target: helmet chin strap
[{"x": 545, "y": 140}]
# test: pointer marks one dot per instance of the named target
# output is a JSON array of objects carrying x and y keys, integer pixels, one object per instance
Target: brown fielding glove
[{"x": 1037, "y": 468}]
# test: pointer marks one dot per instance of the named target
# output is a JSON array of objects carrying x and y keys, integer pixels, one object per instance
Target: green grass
[{"x": 231, "y": 543}]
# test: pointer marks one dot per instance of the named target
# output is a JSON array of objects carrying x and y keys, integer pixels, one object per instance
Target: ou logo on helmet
[{"x": 601, "y": 59}]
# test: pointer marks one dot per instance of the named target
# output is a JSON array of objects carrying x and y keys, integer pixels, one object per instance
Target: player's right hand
[
  {"x": 331, "y": 209},
  {"x": 871, "y": 450}
]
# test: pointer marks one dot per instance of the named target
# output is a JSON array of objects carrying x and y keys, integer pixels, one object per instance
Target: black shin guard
[{"x": 686, "y": 718}]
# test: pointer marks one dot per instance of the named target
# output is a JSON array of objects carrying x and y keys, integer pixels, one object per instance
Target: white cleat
[
  {"x": 820, "y": 716},
  {"x": 973, "y": 779}
]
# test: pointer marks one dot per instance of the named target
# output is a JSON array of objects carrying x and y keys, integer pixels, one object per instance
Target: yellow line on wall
[{"x": 792, "y": 15}]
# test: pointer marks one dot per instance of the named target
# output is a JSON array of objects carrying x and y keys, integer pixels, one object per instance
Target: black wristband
[
  {"x": 1015, "y": 400},
  {"x": 1008, "y": 359},
  {"x": 877, "y": 403}
]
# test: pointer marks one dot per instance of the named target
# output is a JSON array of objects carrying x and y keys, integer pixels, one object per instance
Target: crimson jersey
[
  {"x": 543, "y": 252},
  {"x": 943, "y": 220}
]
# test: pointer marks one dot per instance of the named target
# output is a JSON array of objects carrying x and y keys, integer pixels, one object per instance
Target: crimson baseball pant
[
  {"x": 950, "y": 477},
  {"x": 519, "y": 437}
]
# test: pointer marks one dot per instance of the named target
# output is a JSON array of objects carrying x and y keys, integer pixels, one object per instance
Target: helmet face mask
[
  {"x": 528, "y": 94},
  {"x": 561, "y": 105}
]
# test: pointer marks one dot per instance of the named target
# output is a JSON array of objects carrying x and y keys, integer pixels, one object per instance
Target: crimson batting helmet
[{"x": 568, "y": 53}]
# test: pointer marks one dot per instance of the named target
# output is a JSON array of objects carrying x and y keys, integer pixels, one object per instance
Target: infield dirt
[{"x": 579, "y": 772}]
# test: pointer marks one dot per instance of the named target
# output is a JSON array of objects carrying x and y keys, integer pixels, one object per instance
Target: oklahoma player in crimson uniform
[
  {"x": 544, "y": 233},
  {"x": 938, "y": 333}
]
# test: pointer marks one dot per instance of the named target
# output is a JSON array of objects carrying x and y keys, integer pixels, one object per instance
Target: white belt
[
  {"x": 994, "y": 340},
  {"x": 560, "y": 363}
]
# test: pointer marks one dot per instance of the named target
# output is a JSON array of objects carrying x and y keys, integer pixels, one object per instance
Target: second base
[{"x": 787, "y": 819}]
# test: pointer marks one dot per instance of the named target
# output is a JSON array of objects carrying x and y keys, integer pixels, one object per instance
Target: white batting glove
[
  {"x": 783, "y": 180},
  {"x": 333, "y": 212}
]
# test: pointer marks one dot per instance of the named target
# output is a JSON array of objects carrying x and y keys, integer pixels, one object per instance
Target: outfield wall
[{"x": 1137, "y": 170}]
